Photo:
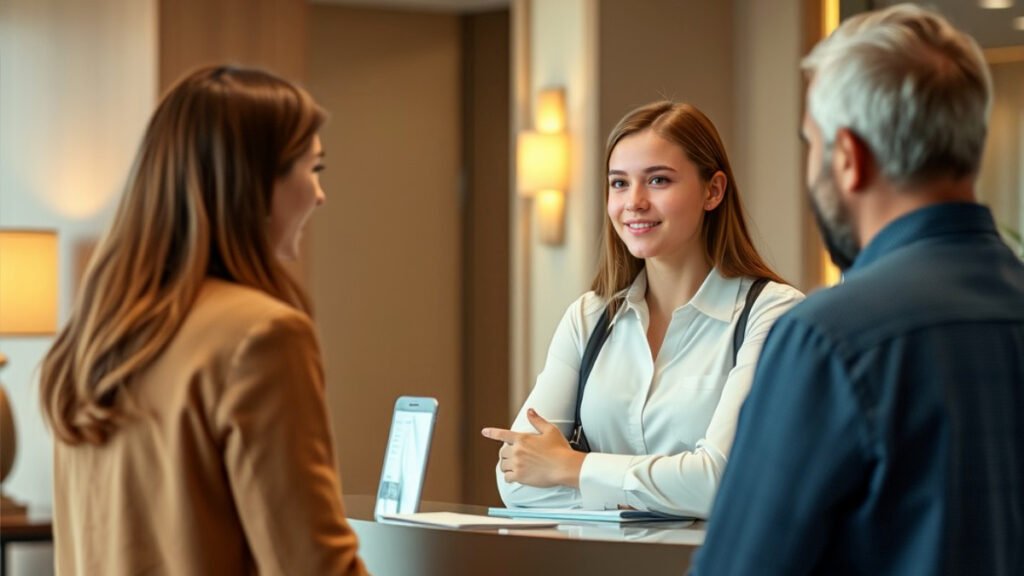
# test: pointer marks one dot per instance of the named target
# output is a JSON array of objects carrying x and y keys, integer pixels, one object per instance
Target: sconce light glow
[
  {"x": 543, "y": 162},
  {"x": 995, "y": 4},
  {"x": 550, "y": 216},
  {"x": 550, "y": 114},
  {"x": 542, "y": 165},
  {"x": 1018, "y": 23}
]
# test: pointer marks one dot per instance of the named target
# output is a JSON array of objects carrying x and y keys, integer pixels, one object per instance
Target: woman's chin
[{"x": 641, "y": 252}]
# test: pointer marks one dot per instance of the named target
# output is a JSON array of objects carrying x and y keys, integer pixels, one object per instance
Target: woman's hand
[{"x": 543, "y": 459}]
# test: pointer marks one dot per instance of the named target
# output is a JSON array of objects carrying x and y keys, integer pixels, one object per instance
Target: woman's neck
[{"x": 670, "y": 286}]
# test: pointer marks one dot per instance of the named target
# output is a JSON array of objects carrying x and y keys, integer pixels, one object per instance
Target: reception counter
[{"x": 393, "y": 549}]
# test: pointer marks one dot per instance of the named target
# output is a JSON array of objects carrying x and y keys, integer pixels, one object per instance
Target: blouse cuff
[{"x": 601, "y": 480}]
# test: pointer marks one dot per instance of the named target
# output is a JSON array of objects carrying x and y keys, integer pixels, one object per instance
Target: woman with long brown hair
[
  {"x": 674, "y": 323},
  {"x": 186, "y": 391}
]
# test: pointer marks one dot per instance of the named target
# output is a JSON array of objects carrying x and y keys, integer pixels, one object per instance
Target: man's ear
[
  {"x": 715, "y": 191},
  {"x": 852, "y": 161}
]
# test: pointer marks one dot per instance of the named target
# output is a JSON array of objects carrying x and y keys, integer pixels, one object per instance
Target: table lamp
[{"x": 28, "y": 307}]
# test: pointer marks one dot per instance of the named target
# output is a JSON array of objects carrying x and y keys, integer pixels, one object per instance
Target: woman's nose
[
  {"x": 637, "y": 199},
  {"x": 321, "y": 198}
]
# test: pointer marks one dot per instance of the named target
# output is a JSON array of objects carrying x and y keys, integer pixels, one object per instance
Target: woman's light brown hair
[
  {"x": 196, "y": 204},
  {"x": 727, "y": 244}
]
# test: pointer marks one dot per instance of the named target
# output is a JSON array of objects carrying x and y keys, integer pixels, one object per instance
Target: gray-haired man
[{"x": 884, "y": 433}]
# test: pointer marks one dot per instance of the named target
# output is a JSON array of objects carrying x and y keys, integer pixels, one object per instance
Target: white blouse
[{"x": 660, "y": 430}]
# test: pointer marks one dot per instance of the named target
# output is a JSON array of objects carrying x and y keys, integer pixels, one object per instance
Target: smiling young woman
[{"x": 661, "y": 402}]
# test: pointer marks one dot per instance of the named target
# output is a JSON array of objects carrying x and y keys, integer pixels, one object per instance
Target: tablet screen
[{"x": 405, "y": 459}]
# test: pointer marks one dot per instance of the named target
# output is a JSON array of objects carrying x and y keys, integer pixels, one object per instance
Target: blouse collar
[{"x": 716, "y": 296}]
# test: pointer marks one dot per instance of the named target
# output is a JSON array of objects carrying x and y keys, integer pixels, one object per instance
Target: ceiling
[
  {"x": 424, "y": 5},
  {"x": 991, "y": 28}
]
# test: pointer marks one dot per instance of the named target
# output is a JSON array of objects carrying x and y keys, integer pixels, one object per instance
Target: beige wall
[
  {"x": 77, "y": 84},
  {"x": 520, "y": 246},
  {"x": 1001, "y": 183},
  {"x": 766, "y": 151},
  {"x": 386, "y": 258}
]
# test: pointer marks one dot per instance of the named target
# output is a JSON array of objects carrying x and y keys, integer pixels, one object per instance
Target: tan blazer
[{"x": 227, "y": 469}]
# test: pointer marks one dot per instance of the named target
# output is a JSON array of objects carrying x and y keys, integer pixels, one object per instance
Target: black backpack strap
[
  {"x": 578, "y": 440},
  {"x": 741, "y": 325}
]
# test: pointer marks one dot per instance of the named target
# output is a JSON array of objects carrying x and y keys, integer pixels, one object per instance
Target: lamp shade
[
  {"x": 28, "y": 282},
  {"x": 542, "y": 162}
]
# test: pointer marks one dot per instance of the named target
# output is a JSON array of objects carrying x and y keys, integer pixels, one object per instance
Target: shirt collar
[
  {"x": 637, "y": 291},
  {"x": 929, "y": 222},
  {"x": 715, "y": 298}
]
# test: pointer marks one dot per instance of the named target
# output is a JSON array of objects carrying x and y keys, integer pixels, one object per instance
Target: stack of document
[
  {"x": 577, "y": 515},
  {"x": 456, "y": 520}
]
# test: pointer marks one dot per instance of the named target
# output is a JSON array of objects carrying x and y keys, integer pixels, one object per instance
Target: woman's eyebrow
[{"x": 647, "y": 170}]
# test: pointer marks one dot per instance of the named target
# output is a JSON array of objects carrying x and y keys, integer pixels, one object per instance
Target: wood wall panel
[
  {"x": 272, "y": 34},
  {"x": 387, "y": 264},
  {"x": 487, "y": 154}
]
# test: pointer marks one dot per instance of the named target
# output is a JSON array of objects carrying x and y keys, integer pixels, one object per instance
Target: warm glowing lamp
[
  {"x": 995, "y": 4},
  {"x": 28, "y": 307},
  {"x": 551, "y": 216},
  {"x": 542, "y": 164},
  {"x": 550, "y": 114}
]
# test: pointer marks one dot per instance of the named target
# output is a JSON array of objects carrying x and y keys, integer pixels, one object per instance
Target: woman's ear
[{"x": 715, "y": 190}]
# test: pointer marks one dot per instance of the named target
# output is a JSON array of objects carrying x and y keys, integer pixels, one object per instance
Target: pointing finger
[{"x": 500, "y": 434}]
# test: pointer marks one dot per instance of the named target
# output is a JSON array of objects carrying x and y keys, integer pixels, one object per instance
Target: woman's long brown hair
[
  {"x": 195, "y": 205},
  {"x": 727, "y": 244}
]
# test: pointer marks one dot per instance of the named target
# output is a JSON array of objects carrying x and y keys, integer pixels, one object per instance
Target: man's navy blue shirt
[{"x": 884, "y": 432}]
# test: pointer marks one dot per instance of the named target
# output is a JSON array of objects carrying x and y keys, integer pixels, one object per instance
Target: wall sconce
[
  {"x": 28, "y": 307},
  {"x": 542, "y": 165}
]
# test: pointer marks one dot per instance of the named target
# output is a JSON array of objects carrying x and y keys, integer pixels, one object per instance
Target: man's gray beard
[{"x": 833, "y": 220}]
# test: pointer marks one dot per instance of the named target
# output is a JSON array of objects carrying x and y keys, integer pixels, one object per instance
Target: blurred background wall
[{"x": 78, "y": 80}]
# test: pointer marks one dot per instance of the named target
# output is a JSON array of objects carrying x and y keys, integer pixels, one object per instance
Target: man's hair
[{"x": 915, "y": 89}]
